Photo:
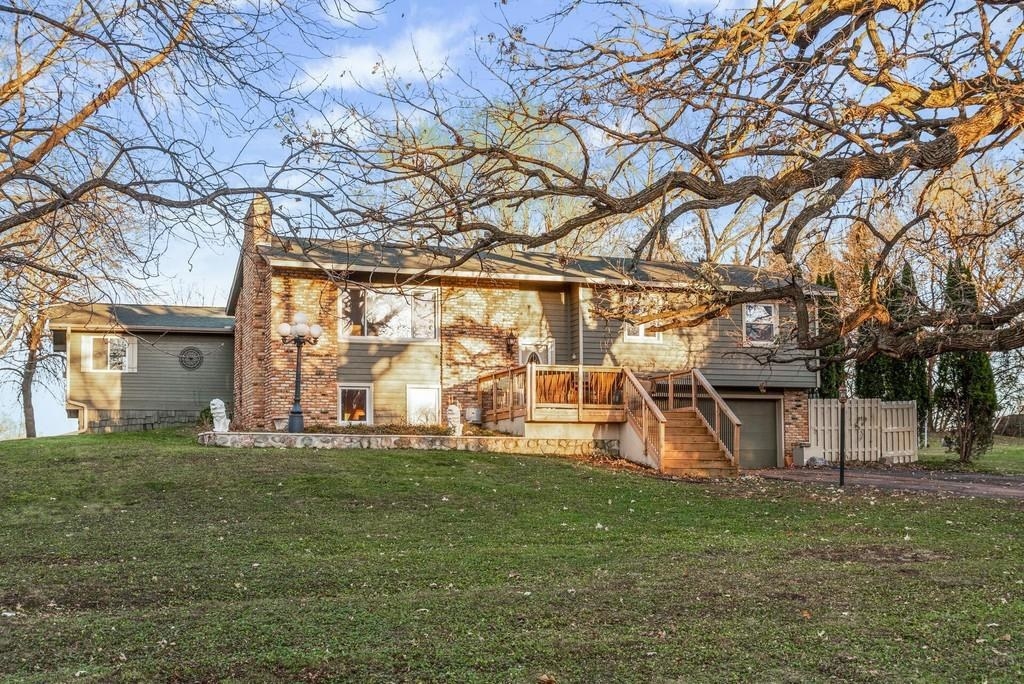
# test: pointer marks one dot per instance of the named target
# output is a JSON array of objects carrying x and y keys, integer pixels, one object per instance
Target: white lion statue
[{"x": 221, "y": 423}]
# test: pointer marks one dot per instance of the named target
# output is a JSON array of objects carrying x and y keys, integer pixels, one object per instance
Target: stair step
[
  {"x": 686, "y": 430},
  {"x": 700, "y": 472},
  {"x": 703, "y": 447}
]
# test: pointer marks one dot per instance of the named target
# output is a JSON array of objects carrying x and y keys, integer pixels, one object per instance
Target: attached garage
[{"x": 760, "y": 443}]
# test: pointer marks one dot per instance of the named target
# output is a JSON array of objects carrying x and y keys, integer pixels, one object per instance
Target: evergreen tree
[
  {"x": 872, "y": 375},
  {"x": 908, "y": 377},
  {"x": 832, "y": 372},
  {"x": 965, "y": 390}
]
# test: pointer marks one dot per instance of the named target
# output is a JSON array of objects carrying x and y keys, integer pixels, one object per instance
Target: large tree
[
  {"x": 833, "y": 367},
  {"x": 804, "y": 118},
  {"x": 965, "y": 390},
  {"x": 143, "y": 103},
  {"x": 908, "y": 376}
]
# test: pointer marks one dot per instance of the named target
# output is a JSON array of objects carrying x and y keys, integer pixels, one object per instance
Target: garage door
[{"x": 759, "y": 437}]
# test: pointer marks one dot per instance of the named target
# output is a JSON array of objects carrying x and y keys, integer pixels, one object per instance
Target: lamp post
[
  {"x": 842, "y": 435},
  {"x": 299, "y": 332}
]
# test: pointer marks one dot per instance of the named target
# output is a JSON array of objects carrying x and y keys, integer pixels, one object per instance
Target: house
[
  {"x": 405, "y": 335},
  {"x": 518, "y": 341},
  {"x": 135, "y": 367}
]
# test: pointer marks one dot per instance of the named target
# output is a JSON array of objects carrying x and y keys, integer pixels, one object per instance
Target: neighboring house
[
  {"x": 404, "y": 336},
  {"x": 136, "y": 367}
]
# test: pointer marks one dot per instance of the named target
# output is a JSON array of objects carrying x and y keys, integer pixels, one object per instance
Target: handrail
[
  {"x": 503, "y": 371},
  {"x": 646, "y": 397},
  {"x": 729, "y": 441},
  {"x": 650, "y": 422},
  {"x": 717, "y": 397}
]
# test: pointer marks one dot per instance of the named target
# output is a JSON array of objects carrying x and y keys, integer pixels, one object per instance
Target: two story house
[{"x": 406, "y": 335}]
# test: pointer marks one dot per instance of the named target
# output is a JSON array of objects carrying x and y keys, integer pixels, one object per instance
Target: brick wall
[
  {"x": 475, "y": 323},
  {"x": 795, "y": 417},
  {"x": 291, "y": 291},
  {"x": 251, "y": 313}
]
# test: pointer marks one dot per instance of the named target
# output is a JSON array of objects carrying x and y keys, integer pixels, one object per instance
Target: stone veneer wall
[
  {"x": 505, "y": 445},
  {"x": 796, "y": 421}
]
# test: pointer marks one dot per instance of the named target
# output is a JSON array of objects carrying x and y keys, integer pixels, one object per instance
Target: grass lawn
[
  {"x": 1006, "y": 457},
  {"x": 145, "y": 557}
]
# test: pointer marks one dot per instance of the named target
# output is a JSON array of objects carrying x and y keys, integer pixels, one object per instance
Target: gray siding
[
  {"x": 554, "y": 307},
  {"x": 390, "y": 367},
  {"x": 716, "y": 348},
  {"x": 160, "y": 381}
]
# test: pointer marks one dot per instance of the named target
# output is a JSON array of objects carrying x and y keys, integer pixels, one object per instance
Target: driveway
[{"x": 935, "y": 481}]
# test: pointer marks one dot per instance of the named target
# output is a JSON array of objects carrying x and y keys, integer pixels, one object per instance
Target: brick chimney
[{"x": 258, "y": 221}]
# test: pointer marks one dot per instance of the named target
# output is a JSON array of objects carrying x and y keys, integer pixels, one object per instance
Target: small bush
[{"x": 400, "y": 429}]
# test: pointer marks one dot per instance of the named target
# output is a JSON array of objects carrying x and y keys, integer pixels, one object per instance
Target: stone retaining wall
[{"x": 505, "y": 445}]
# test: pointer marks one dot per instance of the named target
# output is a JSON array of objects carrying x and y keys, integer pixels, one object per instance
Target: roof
[
  {"x": 152, "y": 317},
  {"x": 364, "y": 257}
]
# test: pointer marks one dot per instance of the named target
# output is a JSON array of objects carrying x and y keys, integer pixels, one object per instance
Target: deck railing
[
  {"x": 644, "y": 415},
  {"x": 584, "y": 394},
  {"x": 503, "y": 394},
  {"x": 692, "y": 389}
]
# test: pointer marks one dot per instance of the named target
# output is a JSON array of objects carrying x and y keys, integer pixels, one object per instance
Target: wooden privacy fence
[{"x": 875, "y": 429}]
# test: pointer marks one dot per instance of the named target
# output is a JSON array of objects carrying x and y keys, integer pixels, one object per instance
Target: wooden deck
[{"x": 685, "y": 428}]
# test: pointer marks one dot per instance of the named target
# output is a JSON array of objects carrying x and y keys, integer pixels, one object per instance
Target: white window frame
[
  {"x": 369, "y": 402},
  {"x": 131, "y": 358},
  {"x": 526, "y": 341},
  {"x": 343, "y": 321},
  {"x": 641, "y": 338},
  {"x": 775, "y": 325},
  {"x": 437, "y": 394}
]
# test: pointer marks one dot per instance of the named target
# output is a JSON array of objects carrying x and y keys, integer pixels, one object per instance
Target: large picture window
[
  {"x": 110, "y": 353},
  {"x": 760, "y": 324},
  {"x": 409, "y": 314}
]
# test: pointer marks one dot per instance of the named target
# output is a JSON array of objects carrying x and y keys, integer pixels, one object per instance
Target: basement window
[{"x": 355, "y": 404}]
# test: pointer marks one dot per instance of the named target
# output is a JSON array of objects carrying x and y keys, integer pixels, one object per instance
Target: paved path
[{"x": 962, "y": 484}]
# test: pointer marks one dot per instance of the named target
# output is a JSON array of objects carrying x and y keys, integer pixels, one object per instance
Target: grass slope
[
  {"x": 143, "y": 556},
  {"x": 1005, "y": 457}
]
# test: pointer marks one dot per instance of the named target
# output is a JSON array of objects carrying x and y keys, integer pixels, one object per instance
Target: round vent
[{"x": 190, "y": 358}]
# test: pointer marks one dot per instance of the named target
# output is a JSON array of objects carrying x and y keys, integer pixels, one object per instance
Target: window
[
  {"x": 407, "y": 315},
  {"x": 760, "y": 324},
  {"x": 110, "y": 353},
  {"x": 355, "y": 404},
  {"x": 539, "y": 351},
  {"x": 423, "y": 404},
  {"x": 639, "y": 333}
]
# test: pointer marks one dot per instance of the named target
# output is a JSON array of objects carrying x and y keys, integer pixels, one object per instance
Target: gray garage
[{"x": 759, "y": 437}]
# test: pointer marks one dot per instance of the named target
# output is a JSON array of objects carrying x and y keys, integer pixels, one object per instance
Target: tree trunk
[
  {"x": 34, "y": 347},
  {"x": 27, "y": 378}
]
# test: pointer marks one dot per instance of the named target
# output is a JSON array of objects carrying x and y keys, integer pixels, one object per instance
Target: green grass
[
  {"x": 144, "y": 557},
  {"x": 1006, "y": 457}
]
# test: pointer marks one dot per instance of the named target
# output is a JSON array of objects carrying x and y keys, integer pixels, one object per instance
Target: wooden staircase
[{"x": 691, "y": 449}]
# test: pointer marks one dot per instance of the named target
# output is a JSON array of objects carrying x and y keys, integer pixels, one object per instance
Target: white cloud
[{"x": 425, "y": 49}]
